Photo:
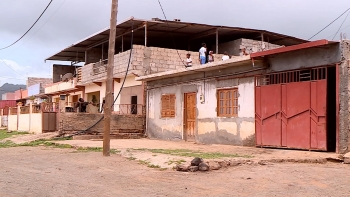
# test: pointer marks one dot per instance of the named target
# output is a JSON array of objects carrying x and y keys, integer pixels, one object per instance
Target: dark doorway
[
  {"x": 331, "y": 109},
  {"x": 133, "y": 104}
]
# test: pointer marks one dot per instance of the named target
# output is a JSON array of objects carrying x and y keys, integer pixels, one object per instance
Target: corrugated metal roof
[
  {"x": 7, "y": 103},
  {"x": 161, "y": 32}
]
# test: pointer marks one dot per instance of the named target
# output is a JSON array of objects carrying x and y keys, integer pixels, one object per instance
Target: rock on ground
[
  {"x": 193, "y": 168},
  {"x": 182, "y": 168},
  {"x": 203, "y": 167},
  {"x": 214, "y": 165},
  {"x": 196, "y": 161}
]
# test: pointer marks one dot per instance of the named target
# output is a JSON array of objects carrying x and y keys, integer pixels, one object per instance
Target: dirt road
[{"x": 41, "y": 171}]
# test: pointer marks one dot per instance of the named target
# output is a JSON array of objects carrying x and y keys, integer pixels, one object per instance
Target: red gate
[{"x": 290, "y": 109}]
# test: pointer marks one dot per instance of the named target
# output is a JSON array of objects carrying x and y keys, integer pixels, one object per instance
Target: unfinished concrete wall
[
  {"x": 144, "y": 60},
  {"x": 210, "y": 128},
  {"x": 251, "y": 46},
  {"x": 72, "y": 122},
  {"x": 344, "y": 101}
]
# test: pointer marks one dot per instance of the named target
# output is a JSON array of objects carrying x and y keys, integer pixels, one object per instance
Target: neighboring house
[
  {"x": 157, "y": 47},
  {"x": 290, "y": 97}
]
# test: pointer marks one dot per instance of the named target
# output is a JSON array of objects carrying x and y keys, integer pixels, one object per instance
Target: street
[{"x": 44, "y": 171}]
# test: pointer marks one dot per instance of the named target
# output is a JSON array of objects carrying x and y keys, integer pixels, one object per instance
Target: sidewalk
[{"x": 166, "y": 154}]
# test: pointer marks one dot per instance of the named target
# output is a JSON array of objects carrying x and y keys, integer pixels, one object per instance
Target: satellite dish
[{"x": 67, "y": 77}]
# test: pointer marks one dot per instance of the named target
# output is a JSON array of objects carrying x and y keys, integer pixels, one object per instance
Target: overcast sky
[{"x": 69, "y": 21}]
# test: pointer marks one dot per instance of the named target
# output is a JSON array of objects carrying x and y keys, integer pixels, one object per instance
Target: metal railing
[
  {"x": 49, "y": 107},
  {"x": 36, "y": 108},
  {"x": 13, "y": 111},
  {"x": 25, "y": 109},
  {"x": 129, "y": 109}
]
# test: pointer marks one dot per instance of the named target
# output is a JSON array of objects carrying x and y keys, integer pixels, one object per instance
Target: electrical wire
[
  {"x": 341, "y": 25},
  {"x": 29, "y": 28},
  {"x": 161, "y": 7},
  {"x": 45, "y": 22},
  {"x": 121, "y": 88},
  {"x": 329, "y": 24}
]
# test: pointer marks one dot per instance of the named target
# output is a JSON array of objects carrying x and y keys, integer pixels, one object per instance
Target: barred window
[
  {"x": 168, "y": 106},
  {"x": 227, "y": 102}
]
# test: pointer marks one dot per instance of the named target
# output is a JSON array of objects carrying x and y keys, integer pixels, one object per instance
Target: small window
[
  {"x": 227, "y": 102},
  {"x": 168, "y": 106}
]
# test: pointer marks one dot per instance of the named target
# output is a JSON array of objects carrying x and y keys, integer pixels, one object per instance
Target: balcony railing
[
  {"x": 25, "y": 109},
  {"x": 129, "y": 109}
]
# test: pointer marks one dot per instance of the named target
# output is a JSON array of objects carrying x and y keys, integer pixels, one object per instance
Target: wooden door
[{"x": 190, "y": 115}]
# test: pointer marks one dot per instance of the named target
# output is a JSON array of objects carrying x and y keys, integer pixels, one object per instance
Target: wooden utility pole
[{"x": 109, "y": 84}]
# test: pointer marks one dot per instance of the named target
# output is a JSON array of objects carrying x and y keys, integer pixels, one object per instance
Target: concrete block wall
[
  {"x": 251, "y": 46},
  {"x": 71, "y": 122},
  {"x": 144, "y": 60}
]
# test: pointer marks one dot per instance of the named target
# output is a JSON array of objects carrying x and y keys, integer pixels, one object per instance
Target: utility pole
[{"x": 109, "y": 84}]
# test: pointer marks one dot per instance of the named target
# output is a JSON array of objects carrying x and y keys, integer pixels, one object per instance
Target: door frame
[{"x": 184, "y": 126}]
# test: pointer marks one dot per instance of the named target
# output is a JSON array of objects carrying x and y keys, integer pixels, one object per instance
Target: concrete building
[
  {"x": 288, "y": 97},
  {"x": 152, "y": 46}
]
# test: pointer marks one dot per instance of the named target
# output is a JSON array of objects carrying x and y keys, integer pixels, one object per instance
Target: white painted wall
[
  {"x": 12, "y": 123},
  {"x": 24, "y": 120},
  {"x": 36, "y": 123},
  {"x": 241, "y": 127}
]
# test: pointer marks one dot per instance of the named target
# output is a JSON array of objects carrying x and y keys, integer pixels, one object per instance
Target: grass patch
[
  {"x": 131, "y": 158},
  {"x": 190, "y": 153},
  {"x": 4, "y": 134},
  {"x": 176, "y": 162},
  {"x": 148, "y": 164},
  {"x": 7, "y": 144},
  {"x": 48, "y": 143}
]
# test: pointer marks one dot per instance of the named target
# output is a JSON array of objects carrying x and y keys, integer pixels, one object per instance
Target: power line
[
  {"x": 341, "y": 25},
  {"x": 29, "y": 28},
  {"x": 329, "y": 24},
  {"x": 161, "y": 7},
  {"x": 45, "y": 22}
]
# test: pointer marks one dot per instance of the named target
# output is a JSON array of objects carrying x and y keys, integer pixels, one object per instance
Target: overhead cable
[
  {"x": 29, "y": 28},
  {"x": 329, "y": 24}
]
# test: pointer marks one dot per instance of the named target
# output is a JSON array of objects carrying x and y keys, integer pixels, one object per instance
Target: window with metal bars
[
  {"x": 227, "y": 102},
  {"x": 312, "y": 74},
  {"x": 168, "y": 106}
]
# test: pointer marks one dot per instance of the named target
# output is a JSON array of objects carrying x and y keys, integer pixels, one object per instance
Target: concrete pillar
[{"x": 1, "y": 112}]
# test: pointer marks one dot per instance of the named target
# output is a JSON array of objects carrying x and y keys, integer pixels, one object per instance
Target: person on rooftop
[
  {"x": 225, "y": 57},
  {"x": 210, "y": 56},
  {"x": 188, "y": 60},
  {"x": 203, "y": 54}
]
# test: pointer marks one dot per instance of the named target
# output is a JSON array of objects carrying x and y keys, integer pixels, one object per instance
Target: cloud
[{"x": 16, "y": 66}]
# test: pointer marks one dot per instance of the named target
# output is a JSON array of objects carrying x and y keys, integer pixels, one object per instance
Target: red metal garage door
[{"x": 290, "y": 109}]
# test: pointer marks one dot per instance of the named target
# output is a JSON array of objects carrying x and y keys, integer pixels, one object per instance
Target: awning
[{"x": 160, "y": 32}]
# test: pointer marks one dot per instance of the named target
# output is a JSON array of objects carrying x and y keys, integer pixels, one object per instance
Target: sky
[{"x": 69, "y": 21}]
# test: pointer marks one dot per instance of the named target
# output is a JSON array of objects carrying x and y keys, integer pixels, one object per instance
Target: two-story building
[{"x": 146, "y": 47}]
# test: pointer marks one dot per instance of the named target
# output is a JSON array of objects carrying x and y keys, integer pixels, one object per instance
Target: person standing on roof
[
  {"x": 210, "y": 56},
  {"x": 203, "y": 54}
]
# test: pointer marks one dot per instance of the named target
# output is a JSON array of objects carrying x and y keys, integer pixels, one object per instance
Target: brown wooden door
[{"x": 190, "y": 116}]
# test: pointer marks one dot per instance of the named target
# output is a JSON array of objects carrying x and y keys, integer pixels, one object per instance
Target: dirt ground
[
  {"x": 139, "y": 149},
  {"x": 42, "y": 171}
]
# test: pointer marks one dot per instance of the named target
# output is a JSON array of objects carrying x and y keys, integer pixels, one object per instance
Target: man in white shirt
[
  {"x": 225, "y": 57},
  {"x": 202, "y": 54}
]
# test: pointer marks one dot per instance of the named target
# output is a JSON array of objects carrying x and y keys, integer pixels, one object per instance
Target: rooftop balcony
[{"x": 144, "y": 61}]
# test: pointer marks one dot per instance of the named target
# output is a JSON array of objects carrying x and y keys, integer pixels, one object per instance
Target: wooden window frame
[
  {"x": 169, "y": 111},
  {"x": 224, "y": 111}
]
